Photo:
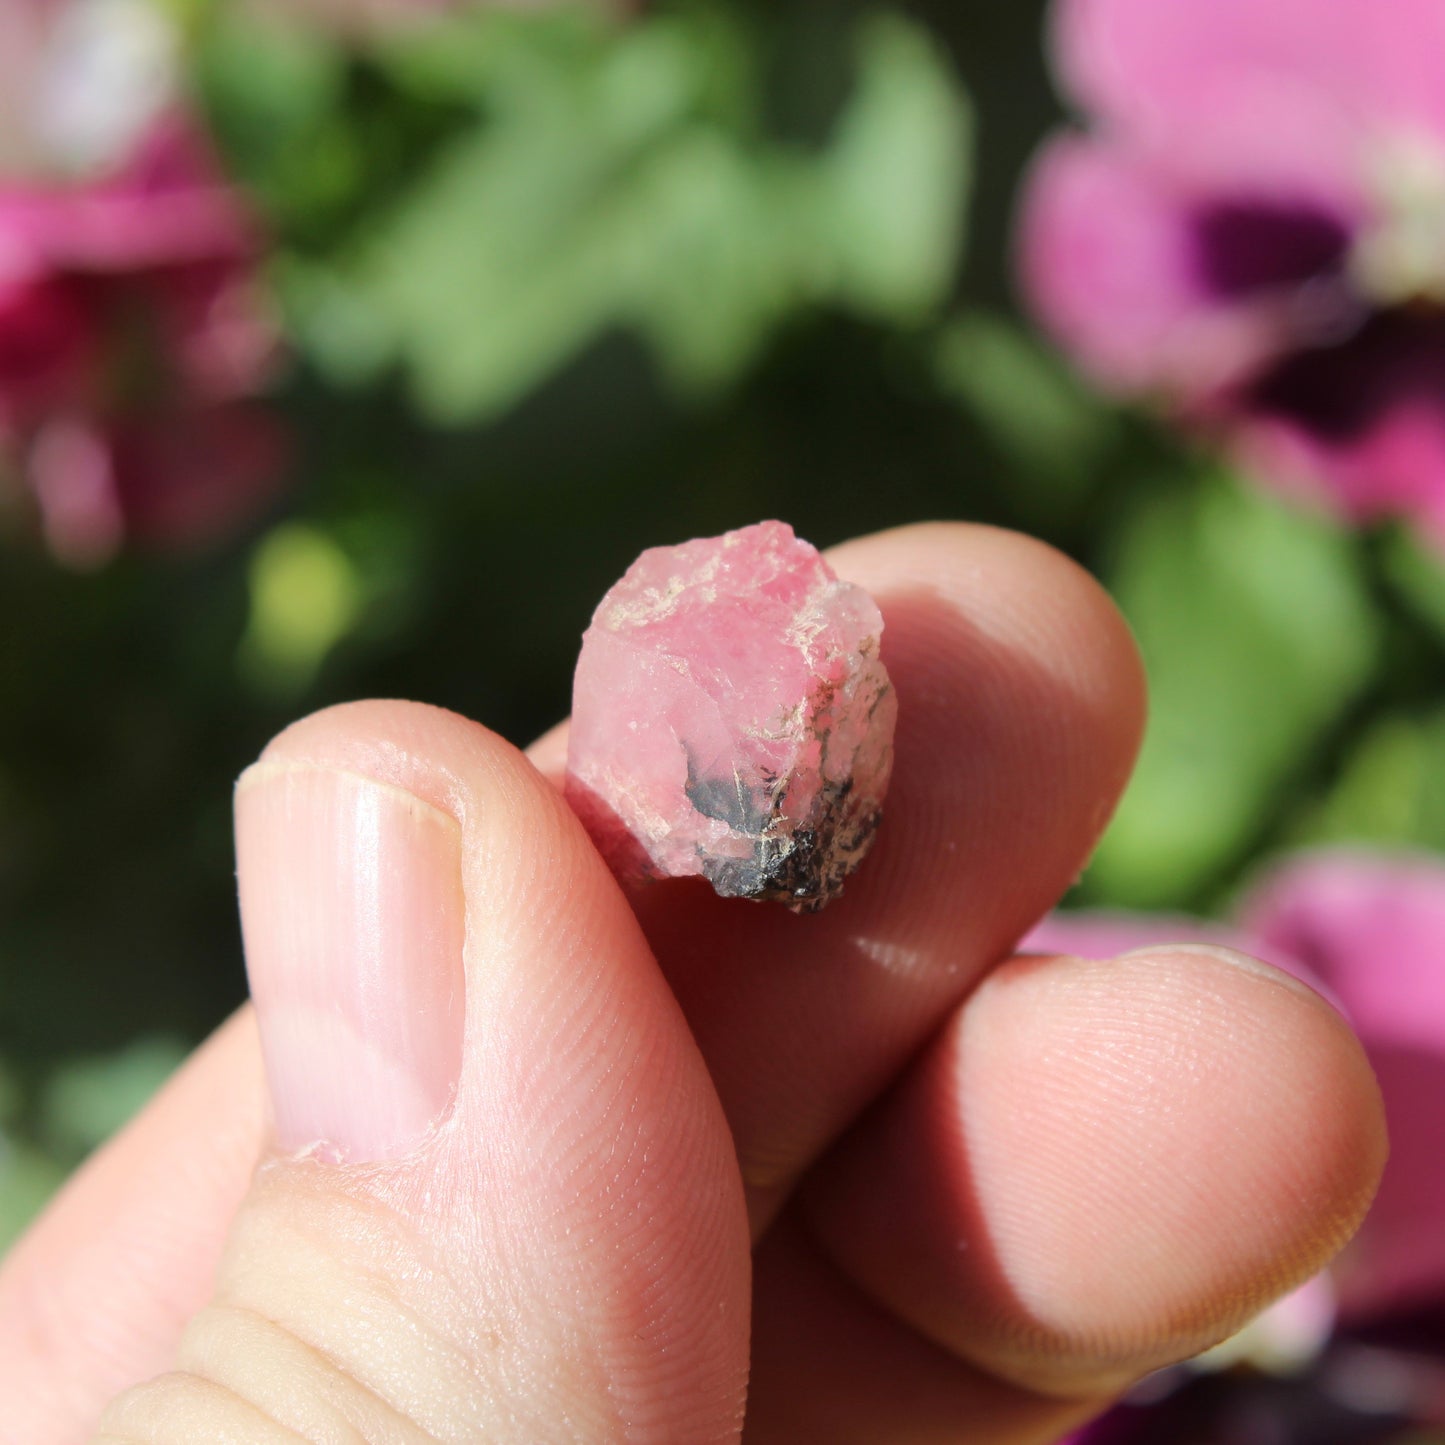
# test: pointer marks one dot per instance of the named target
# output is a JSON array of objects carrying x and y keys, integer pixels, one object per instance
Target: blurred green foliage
[
  {"x": 606, "y": 177},
  {"x": 561, "y": 286},
  {"x": 1257, "y": 633}
]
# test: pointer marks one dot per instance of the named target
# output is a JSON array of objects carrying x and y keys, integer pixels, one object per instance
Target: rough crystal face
[{"x": 731, "y": 718}]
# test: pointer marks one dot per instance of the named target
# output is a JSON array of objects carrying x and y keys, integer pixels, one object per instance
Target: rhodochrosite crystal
[{"x": 731, "y": 718}]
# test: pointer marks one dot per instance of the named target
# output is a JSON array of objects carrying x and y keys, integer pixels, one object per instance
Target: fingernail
[{"x": 351, "y": 908}]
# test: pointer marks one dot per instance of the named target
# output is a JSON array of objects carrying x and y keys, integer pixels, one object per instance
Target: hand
[{"x": 983, "y": 1193}]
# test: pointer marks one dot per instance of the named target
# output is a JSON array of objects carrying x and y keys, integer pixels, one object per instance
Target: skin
[{"x": 983, "y": 1193}]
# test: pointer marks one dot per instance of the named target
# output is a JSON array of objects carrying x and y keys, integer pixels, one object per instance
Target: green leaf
[
  {"x": 273, "y": 91},
  {"x": 495, "y": 56},
  {"x": 521, "y": 242},
  {"x": 1052, "y": 431},
  {"x": 1390, "y": 791},
  {"x": 715, "y": 236},
  {"x": 87, "y": 1101},
  {"x": 623, "y": 179},
  {"x": 1416, "y": 571},
  {"x": 896, "y": 175},
  {"x": 306, "y": 595},
  {"x": 28, "y": 1178},
  {"x": 1257, "y": 632}
]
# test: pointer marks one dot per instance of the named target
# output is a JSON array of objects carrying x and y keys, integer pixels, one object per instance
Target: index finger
[{"x": 1021, "y": 706}]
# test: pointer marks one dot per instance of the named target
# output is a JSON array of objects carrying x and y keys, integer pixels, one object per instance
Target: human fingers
[
  {"x": 831, "y": 1365},
  {"x": 96, "y": 1293},
  {"x": 1097, "y": 1169},
  {"x": 1021, "y": 704},
  {"x": 500, "y": 1201},
  {"x": 1012, "y": 666}
]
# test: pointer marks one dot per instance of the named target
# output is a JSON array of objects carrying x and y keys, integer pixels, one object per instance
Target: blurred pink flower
[
  {"x": 1253, "y": 231},
  {"x": 133, "y": 326},
  {"x": 81, "y": 81},
  {"x": 1368, "y": 931}
]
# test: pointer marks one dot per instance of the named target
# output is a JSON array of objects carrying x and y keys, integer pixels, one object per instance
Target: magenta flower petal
[
  {"x": 174, "y": 480},
  {"x": 132, "y": 328},
  {"x": 47, "y": 348},
  {"x": 1373, "y": 928},
  {"x": 186, "y": 479},
  {"x": 1180, "y": 70},
  {"x": 1253, "y": 237},
  {"x": 1360, "y": 423},
  {"x": 69, "y": 470},
  {"x": 169, "y": 204},
  {"x": 1091, "y": 933},
  {"x": 24, "y": 25},
  {"x": 1114, "y": 263},
  {"x": 1395, "y": 469},
  {"x": 1105, "y": 933}
]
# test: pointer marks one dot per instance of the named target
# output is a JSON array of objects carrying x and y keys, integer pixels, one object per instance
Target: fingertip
[
  {"x": 1019, "y": 587},
  {"x": 476, "y": 1049},
  {"x": 1138, "y": 1154},
  {"x": 428, "y": 751},
  {"x": 1046, "y": 650},
  {"x": 1210, "y": 1118}
]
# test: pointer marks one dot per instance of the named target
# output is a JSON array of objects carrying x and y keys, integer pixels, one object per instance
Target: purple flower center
[
  {"x": 1340, "y": 379},
  {"x": 1245, "y": 246},
  {"x": 1340, "y": 390}
]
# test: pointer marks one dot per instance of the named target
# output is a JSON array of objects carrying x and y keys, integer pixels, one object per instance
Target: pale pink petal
[
  {"x": 1178, "y": 70},
  {"x": 1396, "y": 469},
  {"x": 1103, "y": 933},
  {"x": 108, "y": 69},
  {"x": 23, "y": 26},
  {"x": 1109, "y": 264},
  {"x": 1373, "y": 926},
  {"x": 69, "y": 472},
  {"x": 170, "y": 204},
  {"x": 1286, "y": 1338}
]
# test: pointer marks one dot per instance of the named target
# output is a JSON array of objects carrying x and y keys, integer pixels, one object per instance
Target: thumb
[{"x": 501, "y": 1201}]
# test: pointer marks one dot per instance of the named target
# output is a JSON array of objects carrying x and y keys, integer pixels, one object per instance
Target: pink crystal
[{"x": 731, "y": 718}]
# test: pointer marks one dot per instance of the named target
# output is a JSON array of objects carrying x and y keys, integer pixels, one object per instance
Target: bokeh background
[{"x": 354, "y": 349}]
